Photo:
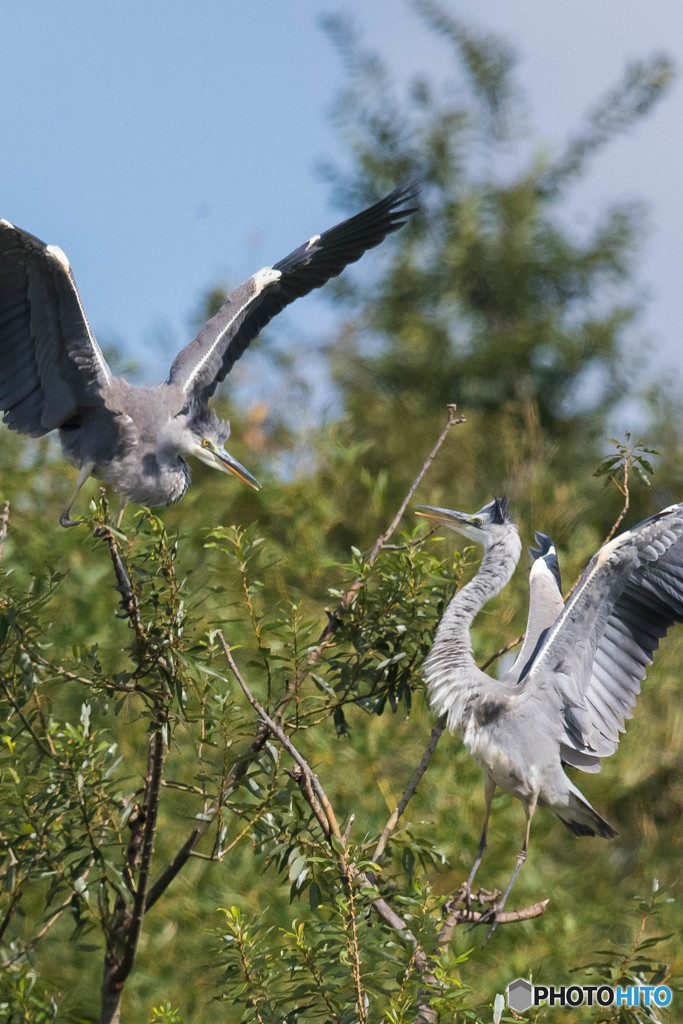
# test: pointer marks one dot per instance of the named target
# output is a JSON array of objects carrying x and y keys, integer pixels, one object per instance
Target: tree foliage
[{"x": 232, "y": 803}]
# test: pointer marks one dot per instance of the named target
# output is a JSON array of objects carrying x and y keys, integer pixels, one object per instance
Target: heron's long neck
[{"x": 451, "y": 671}]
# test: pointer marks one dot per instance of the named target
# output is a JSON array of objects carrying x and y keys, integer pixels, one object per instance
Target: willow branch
[
  {"x": 317, "y": 799},
  {"x": 42, "y": 747},
  {"x": 277, "y": 731},
  {"x": 128, "y": 599},
  {"x": 236, "y": 773},
  {"x": 262, "y": 731},
  {"x": 156, "y": 758}
]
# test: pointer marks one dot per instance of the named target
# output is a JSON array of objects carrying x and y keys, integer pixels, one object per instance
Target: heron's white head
[
  {"x": 203, "y": 437},
  {"x": 491, "y": 523}
]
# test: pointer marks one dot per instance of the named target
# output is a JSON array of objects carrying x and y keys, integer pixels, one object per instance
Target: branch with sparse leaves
[
  {"x": 316, "y": 798},
  {"x": 261, "y": 733}
]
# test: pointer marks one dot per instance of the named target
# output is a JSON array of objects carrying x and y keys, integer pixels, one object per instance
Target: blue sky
[{"x": 169, "y": 147}]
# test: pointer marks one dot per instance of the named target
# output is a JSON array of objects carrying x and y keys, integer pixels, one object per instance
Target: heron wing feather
[
  {"x": 206, "y": 361},
  {"x": 50, "y": 362},
  {"x": 592, "y": 661}
]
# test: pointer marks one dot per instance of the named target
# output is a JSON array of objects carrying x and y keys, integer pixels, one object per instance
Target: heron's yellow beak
[
  {"x": 219, "y": 458},
  {"x": 445, "y": 515}
]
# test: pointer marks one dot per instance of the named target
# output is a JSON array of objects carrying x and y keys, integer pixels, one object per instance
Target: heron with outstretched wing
[
  {"x": 53, "y": 375},
  {"x": 567, "y": 702}
]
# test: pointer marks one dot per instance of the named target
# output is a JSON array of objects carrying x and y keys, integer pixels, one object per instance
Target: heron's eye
[
  {"x": 475, "y": 521},
  {"x": 206, "y": 443}
]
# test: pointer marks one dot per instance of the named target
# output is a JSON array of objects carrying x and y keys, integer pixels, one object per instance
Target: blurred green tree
[{"x": 490, "y": 299}]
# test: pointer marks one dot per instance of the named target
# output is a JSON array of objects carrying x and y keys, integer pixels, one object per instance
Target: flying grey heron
[
  {"x": 568, "y": 703},
  {"x": 53, "y": 375}
]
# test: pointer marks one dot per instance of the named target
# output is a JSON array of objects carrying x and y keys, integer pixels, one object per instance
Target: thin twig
[
  {"x": 627, "y": 501},
  {"x": 318, "y": 801},
  {"x": 413, "y": 544},
  {"x": 41, "y": 933},
  {"x": 4, "y": 526},
  {"x": 236, "y": 773},
  {"x": 132, "y": 687},
  {"x": 615, "y": 526},
  {"x": 409, "y": 790},
  {"x": 335, "y": 618},
  {"x": 47, "y": 751},
  {"x": 279, "y": 732},
  {"x": 501, "y": 651},
  {"x": 260, "y": 736}
]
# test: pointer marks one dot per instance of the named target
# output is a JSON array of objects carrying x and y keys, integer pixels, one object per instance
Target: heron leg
[
  {"x": 494, "y": 913},
  {"x": 65, "y": 518},
  {"x": 489, "y": 790}
]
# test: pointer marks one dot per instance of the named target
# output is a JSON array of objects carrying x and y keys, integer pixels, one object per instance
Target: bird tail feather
[{"x": 582, "y": 819}]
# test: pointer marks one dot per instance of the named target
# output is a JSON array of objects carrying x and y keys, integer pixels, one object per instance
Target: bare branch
[
  {"x": 409, "y": 790},
  {"x": 128, "y": 599},
  {"x": 278, "y": 731},
  {"x": 41, "y": 933},
  {"x": 335, "y": 618},
  {"x": 501, "y": 651},
  {"x": 461, "y": 915}
]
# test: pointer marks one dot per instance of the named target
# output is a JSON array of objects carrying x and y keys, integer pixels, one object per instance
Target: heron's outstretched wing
[
  {"x": 591, "y": 661},
  {"x": 202, "y": 364},
  {"x": 50, "y": 362}
]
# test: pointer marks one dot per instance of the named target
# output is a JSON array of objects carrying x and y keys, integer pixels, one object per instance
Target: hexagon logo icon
[{"x": 520, "y": 995}]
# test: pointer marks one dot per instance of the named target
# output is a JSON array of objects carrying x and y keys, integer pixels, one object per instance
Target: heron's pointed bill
[
  {"x": 469, "y": 526},
  {"x": 224, "y": 461},
  {"x": 447, "y": 516}
]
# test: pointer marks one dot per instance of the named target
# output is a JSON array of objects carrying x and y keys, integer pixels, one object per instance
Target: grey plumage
[
  {"x": 53, "y": 375},
  {"x": 568, "y": 703},
  {"x": 545, "y": 601}
]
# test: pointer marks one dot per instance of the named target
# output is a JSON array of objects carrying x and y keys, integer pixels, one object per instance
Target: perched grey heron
[
  {"x": 53, "y": 375},
  {"x": 545, "y": 600},
  {"x": 568, "y": 703}
]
